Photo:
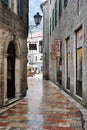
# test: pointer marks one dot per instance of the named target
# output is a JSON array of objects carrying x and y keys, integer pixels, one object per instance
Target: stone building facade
[
  {"x": 45, "y": 9},
  {"x": 13, "y": 50},
  {"x": 68, "y": 28},
  {"x": 35, "y": 55}
]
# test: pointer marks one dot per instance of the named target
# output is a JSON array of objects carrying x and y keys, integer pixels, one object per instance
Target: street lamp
[{"x": 37, "y": 19}]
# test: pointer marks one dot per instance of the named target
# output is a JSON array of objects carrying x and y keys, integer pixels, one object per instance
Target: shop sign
[
  {"x": 53, "y": 52},
  {"x": 57, "y": 47}
]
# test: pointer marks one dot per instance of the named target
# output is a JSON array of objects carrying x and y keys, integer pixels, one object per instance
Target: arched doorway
[{"x": 11, "y": 71}]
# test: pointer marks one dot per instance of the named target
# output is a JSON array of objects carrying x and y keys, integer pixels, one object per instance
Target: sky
[{"x": 34, "y": 7}]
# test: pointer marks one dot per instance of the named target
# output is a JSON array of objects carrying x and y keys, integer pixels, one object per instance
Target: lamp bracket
[{"x": 31, "y": 27}]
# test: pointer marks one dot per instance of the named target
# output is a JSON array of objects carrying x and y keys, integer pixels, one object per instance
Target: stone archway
[
  {"x": 11, "y": 71},
  {"x": 13, "y": 43}
]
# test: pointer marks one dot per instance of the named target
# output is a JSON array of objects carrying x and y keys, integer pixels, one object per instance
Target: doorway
[
  {"x": 68, "y": 71},
  {"x": 68, "y": 63},
  {"x": 79, "y": 58},
  {"x": 11, "y": 71}
]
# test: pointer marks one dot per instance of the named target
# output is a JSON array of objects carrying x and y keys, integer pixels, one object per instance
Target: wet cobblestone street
[{"x": 44, "y": 108}]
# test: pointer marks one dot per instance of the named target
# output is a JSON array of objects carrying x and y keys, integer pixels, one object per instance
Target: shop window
[
  {"x": 79, "y": 72},
  {"x": 79, "y": 62}
]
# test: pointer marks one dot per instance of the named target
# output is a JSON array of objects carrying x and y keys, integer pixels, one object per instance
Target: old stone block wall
[
  {"x": 13, "y": 29},
  {"x": 73, "y": 17}
]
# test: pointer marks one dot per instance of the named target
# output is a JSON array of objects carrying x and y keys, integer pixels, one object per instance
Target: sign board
[
  {"x": 57, "y": 47},
  {"x": 53, "y": 52}
]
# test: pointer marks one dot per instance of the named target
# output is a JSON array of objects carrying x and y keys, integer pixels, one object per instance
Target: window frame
[
  {"x": 60, "y": 8},
  {"x": 65, "y": 3},
  {"x": 53, "y": 20},
  {"x": 55, "y": 12}
]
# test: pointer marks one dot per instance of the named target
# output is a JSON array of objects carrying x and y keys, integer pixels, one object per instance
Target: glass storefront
[
  {"x": 79, "y": 72},
  {"x": 79, "y": 62}
]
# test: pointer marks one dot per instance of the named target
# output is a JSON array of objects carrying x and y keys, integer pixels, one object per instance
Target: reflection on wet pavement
[{"x": 44, "y": 108}]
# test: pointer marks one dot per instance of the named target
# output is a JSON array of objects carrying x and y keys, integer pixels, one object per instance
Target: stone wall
[
  {"x": 45, "y": 10},
  {"x": 13, "y": 29},
  {"x": 70, "y": 21}
]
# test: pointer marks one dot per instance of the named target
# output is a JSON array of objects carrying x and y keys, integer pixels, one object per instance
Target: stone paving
[{"x": 44, "y": 108}]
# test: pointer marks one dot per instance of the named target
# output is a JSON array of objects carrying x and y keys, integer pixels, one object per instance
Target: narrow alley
[{"x": 44, "y": 108}]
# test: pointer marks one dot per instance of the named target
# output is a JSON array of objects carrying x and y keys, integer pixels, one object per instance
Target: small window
[
  {"x": 56, "y": 13},
  {"x": 36, "y": 58},
  {"x": 65, "y": 3},
  {"x": 60, "y": 8},
  {"x": 53, "y": 20},
  {"x": 40, "y": 47},
  {"x": 32, "y": 47},
  {"x": 20, "y": 7},
  {"x": 79, "y": 7},
  {"x": 50, "y": 26}
]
